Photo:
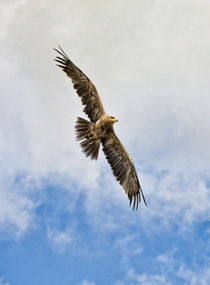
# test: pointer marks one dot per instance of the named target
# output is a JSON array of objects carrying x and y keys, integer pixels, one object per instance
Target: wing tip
[
  {"x": 136, "y": 199},
  {"x": 62, "y": 53},
  {"x": 142, "y": 194}
]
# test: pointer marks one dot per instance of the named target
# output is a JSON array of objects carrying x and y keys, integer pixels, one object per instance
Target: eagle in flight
[{"x": 100, "y": 130}]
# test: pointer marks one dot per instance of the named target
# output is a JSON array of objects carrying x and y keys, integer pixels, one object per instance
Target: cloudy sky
[{"x": 63, "y": 218}]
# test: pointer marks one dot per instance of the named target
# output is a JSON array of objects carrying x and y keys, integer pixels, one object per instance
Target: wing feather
[
  {"x": 123, "y": 169},
  {"x": 84, "y": 87}
]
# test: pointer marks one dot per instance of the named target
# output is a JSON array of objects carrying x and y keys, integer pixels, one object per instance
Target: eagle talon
[{"x": 90, "y": 136}]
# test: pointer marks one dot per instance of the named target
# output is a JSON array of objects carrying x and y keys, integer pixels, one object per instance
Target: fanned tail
[{"x": 90, "y": 143}]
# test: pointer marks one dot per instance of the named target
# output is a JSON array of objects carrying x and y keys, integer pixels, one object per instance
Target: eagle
[{"x": 99, "y": 130}]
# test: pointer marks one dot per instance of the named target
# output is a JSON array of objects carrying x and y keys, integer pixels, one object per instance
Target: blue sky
[{"x": 63, "y": 218}]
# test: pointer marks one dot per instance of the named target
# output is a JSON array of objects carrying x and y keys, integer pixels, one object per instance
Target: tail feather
[
  {"x": 90, "y": 144},
  {"x": 83, "y": 128}
]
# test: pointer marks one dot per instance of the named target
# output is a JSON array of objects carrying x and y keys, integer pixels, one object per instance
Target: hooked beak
[{"x": 115, "y": 120}]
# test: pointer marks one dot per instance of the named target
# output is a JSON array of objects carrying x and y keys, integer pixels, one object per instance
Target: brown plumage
[{"x": 100, "y": 130}]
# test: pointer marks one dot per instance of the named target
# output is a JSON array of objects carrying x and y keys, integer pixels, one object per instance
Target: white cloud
[
  {"x": 133, "y": 279},
  {"x": 128, "y": 246},
  {"x": 153, "y": 57},
  {"x": 166, "y": 258},
  {"x": 170, "y": 274},
  {"x": 3, "y": 282},
  {"x": 60, "y": 240},
  {"x": 16, "y": 211},
  {"x": 85, "y": 282},
  {"x": 194, "y": 277}
]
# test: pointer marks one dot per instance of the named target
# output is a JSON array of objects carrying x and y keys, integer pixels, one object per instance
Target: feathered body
[{"x": 100, "y": 130}]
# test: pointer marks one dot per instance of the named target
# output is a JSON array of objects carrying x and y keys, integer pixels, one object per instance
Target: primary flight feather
[{"x": 100, "y": 130}]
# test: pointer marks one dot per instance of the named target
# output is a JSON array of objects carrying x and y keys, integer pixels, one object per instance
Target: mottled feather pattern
[
  {"x": 90, "y": 147},
  {"x": 82, "y": 128},
  {"x": 84, "y": 87},
  {"x": 123, "y": 169}
]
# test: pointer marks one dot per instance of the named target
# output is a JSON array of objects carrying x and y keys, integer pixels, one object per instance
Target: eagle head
[{"x": 113, "y": 119}]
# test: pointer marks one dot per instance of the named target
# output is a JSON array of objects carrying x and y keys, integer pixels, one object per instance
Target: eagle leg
[{"x": 91, "y": 136}]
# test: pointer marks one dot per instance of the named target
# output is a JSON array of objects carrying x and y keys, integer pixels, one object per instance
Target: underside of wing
[
  {"x": 84, "y": 87},
  {"x": 123, "y": 169}
]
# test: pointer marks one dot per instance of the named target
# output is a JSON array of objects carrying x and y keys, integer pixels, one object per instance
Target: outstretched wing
[
  {"x": 84, "y": 87},
  {"x": 123, "y": 169}
]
